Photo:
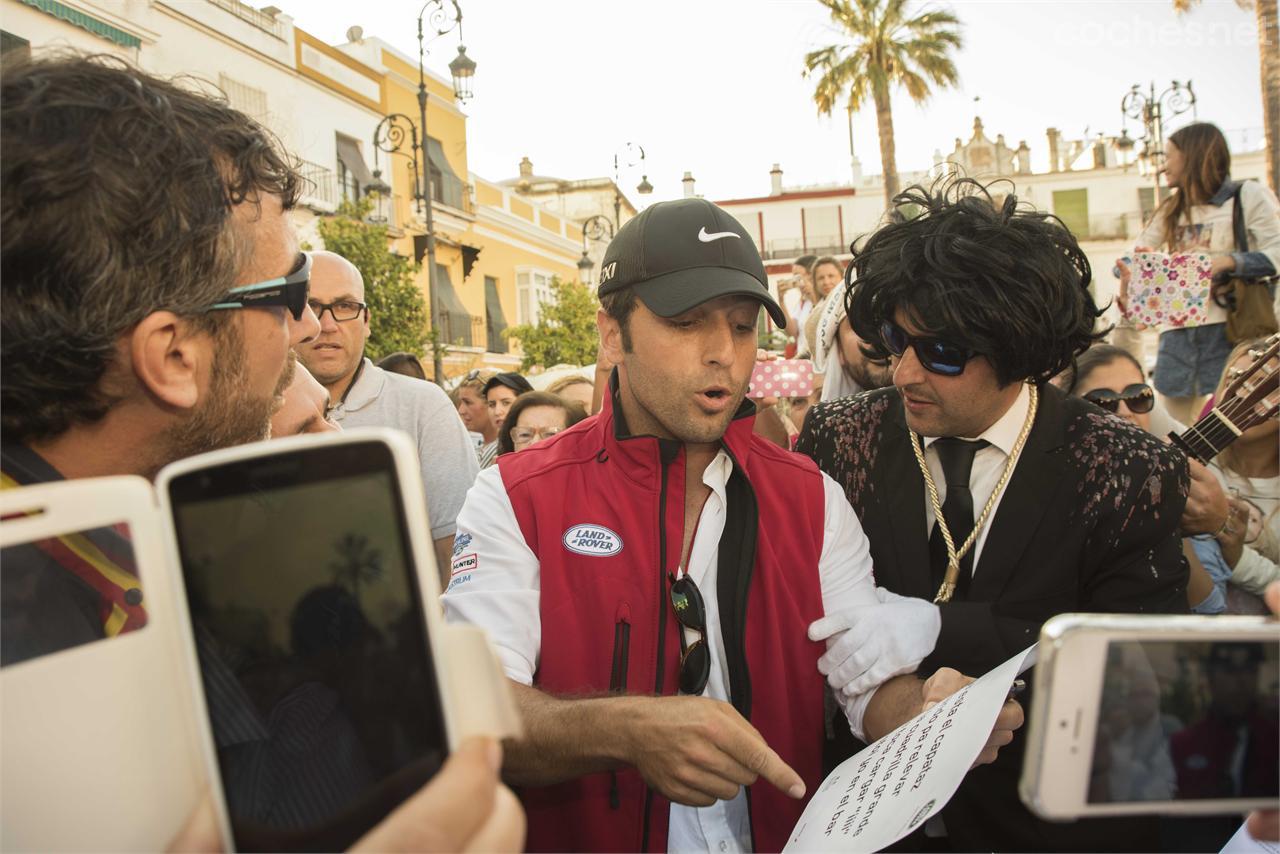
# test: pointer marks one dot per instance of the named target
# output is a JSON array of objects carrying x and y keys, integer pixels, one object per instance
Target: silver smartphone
[
  {"x": 308, "y": 596},
  {"x": 1153, "y": 714}
]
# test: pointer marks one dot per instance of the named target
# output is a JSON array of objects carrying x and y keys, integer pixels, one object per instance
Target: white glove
[{"x": 871, "y": 643}]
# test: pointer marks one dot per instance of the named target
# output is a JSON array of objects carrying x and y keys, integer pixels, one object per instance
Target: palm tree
[
  {"x": 1269, "y": 69},
  {"x": 886, "y": 47}
]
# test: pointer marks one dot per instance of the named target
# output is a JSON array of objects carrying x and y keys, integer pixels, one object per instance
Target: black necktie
[{"x": 956, "y": 456}]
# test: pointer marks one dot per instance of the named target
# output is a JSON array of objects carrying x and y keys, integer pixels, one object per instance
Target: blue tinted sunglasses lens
[
  {"x": 895, "y": 340},
  {"x": 941, "y": 357}
]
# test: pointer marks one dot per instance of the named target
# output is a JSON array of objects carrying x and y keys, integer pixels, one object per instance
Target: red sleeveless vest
[{"x": 604, "y": 513}]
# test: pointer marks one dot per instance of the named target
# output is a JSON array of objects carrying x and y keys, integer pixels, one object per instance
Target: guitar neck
[
  {"x": 1252, "y": 396},
  {"x": 1209, "y": 437}
]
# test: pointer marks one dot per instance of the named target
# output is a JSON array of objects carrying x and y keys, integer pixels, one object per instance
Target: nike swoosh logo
[{"x": 708, "y": 238}]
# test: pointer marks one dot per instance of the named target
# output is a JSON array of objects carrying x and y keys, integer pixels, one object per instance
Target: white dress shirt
[
  {"x": 501, "y": 595},
  {"x": 988, "y": 465}
]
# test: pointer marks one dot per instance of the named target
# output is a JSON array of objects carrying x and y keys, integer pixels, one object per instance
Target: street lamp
[
  {"x": 594, "y": 228},
  {"x": 1152, "y": 111},
  {"x": 389, "y": 136},
  {"x": 629, "y": 156},
  {"x": 381, "y": 190}
]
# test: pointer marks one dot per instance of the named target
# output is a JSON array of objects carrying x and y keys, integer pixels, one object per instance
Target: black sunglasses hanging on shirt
[{"x": 691, "y": 612}]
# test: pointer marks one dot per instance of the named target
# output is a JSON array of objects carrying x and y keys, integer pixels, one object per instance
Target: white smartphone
[
  {"x": 1153, "y": 714},
  {"x": 99, "y": 750},
  {"x": 309, "y": 600}
]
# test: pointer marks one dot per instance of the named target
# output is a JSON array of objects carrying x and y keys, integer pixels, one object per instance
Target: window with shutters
[
  {"x": 495, "y": 319},
  {"x": 533, "y": 287},
  {"x": 17, "y": 45},
  {"x": 1072, "y": 207},
  {"x": 245, "y": 98}
]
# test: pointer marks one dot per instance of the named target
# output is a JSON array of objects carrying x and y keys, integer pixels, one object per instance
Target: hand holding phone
[
  {"x": 1145, "y": 714},
  {"x": 309, "y": 597}
]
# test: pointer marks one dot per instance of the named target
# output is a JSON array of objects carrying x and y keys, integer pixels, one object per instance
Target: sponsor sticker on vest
[
  {"x": 465, "y": 563},
  {"x": 594, "y": 540}
]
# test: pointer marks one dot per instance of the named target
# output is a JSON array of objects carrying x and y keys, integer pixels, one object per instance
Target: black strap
[{"x": 734, "y": 567}]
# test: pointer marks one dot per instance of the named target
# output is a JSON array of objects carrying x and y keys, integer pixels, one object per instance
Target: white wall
[{"x": 202, "y": 41}]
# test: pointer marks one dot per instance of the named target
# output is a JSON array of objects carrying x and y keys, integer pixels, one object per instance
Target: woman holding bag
[{"x": 1201, "y": 216}]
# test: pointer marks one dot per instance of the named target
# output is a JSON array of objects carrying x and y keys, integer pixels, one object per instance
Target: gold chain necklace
[{"x": 953, "y": 555}]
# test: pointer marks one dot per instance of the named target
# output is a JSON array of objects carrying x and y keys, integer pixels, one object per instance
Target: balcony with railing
[
  {"x": 794, "y": 247},
  {"x": 264, "y": 21},
  {"x": 462, "y": 330},
  {"x": 319, "y": 186}
]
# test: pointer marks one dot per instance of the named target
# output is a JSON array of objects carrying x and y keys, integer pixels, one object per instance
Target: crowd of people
[{"x": 702, "y": 602}]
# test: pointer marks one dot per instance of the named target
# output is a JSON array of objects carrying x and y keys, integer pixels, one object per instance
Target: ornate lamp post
[
  {"x": 1152, "y": 111},
  {"x": 594, "y": 228},
  {"x": 629, "y": 156},
  {"x": 389, "y": 136}
]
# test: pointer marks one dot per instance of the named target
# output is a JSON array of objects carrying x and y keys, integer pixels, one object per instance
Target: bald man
[{"x": 364, "y": 395}]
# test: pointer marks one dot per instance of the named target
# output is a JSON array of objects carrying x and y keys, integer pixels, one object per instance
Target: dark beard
[{"x": 231, "y": 415}]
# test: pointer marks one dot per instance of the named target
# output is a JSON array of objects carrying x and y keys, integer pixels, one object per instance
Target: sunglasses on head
[
  {"x": 1138, "y": 397},
  {"x": 937, "y": 356},
  {"x": 290, "y": 291},
  {"x": 691, "y": 612}
]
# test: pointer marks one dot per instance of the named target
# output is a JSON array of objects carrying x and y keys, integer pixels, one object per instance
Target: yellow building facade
[{"x": 495, "y": 252}]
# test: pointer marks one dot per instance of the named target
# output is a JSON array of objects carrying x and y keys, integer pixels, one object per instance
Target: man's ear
[
  {"x": 368, "y": 329},
  {"x": 168, "y": 355},
  {"x": 610, "y": 336}
]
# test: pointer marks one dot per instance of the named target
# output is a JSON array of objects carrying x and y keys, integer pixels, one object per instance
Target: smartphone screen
[
  {"x": 1187, "y": 720},
  {"x": 318, "y": 678}
]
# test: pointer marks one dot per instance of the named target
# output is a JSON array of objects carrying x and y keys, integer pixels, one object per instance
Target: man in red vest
[{"x": 659, "y": 582}]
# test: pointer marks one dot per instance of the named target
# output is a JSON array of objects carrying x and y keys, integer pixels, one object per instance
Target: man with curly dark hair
[
  {"x": 982, "y": 487},
  {"x": 151, "y": 289}
]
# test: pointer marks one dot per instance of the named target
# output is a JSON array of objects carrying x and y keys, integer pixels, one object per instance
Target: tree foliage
[
  {"x": 887, "y": 47},
  {"x": 566, "y": 329},
  {"x": 398, "y": 316}
]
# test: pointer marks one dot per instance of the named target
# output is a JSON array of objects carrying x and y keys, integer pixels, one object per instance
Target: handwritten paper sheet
[
  {"x": 1244, "y": 843},
  {"x": 882, "y": 793}
]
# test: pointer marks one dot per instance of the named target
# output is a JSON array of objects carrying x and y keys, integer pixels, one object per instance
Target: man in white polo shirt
[{"x": 364, "y": 395}]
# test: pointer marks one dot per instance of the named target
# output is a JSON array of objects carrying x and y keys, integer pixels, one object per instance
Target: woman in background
[
  {"x": 536, "y": 415},
  {"x": 1111, "y": 378},
  {"x": 801, "y": 280},
  {"x": 827, "y": 274},
  {"x": 575, "y": 389},
  {"x": 474, "y": 412},
  {"x": 1197, "y": 217}
]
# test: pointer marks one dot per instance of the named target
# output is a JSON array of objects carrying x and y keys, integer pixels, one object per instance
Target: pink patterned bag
[{"x": 1169, "y": 290}]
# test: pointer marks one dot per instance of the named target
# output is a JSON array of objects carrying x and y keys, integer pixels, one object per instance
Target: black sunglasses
[
  {"x": 937, "y": 356},
  {"x": 290, "y": 291},
  {"x": 691, "y": 612},
  {"x": 1138, "y": 397}
]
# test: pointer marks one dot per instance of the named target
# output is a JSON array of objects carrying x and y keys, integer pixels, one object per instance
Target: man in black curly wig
[{"x": 1046, "y": 504}]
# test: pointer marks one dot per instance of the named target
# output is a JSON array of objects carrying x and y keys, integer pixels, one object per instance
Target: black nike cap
[{"x": 680, "y": 254}]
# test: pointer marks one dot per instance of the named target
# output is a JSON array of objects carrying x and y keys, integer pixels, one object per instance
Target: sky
[{"x": 714, "y": 87}]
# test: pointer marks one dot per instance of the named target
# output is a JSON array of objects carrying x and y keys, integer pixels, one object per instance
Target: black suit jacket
[{"x": 1088, "y": 522}]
